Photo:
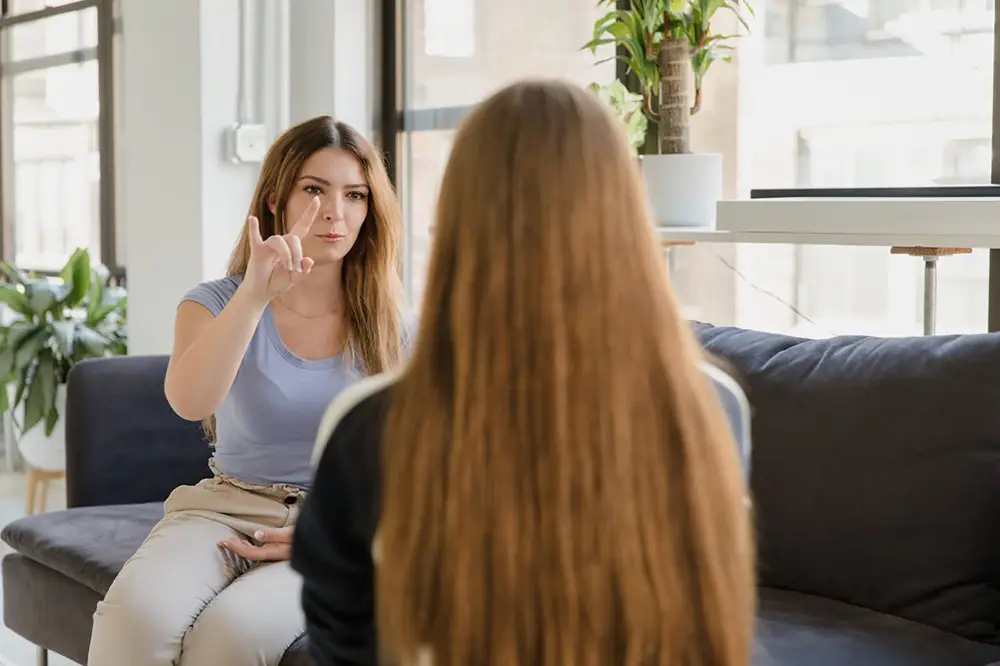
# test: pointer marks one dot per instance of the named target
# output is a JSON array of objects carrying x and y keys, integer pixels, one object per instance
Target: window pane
[
  {"x": 870, "y": 93},
  {"x": 823, "y": 93},
  {"x": 821, "y": 291},
  {"x": 50, "y": 36},
  {"x": 426, "y": 154},
  {"x": 847, "y": 93},
  {"x": 459, "y": 51},
  {"x": 56, "y": 164}
]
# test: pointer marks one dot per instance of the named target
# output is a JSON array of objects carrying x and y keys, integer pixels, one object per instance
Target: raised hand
[{"x": 276, "y": 264}]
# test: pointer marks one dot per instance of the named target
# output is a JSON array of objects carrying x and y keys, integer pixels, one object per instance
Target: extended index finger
[{"x": 305, "y": 222}]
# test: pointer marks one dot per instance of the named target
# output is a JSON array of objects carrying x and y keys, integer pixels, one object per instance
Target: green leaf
[
  {"x": 594, "y": 43},
  {"x": 4, "y": 399},
  {"x": 76, "y": 275},
  {"x": 13, "y": 273},
  {"x": 6, "y": 365},
  {"x": 30, "y": 348},
  {"x": 51, "y": 419},
  {"x": 45, "y": 375},
  {"x": 98, "y": 316},
  {"x": 18, "y": 331},
  {"x": 17, "y": 301},
  {"x": 92, "y": 342},
  {"x": 34, "y": 403},
  {"x": 44, "y": 294},
  {"x": 65, "y": 332},
  {"x": 22, "y": 385}
]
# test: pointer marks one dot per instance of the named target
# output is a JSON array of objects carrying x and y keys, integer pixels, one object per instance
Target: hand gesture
[
  {"x": 274, "y": 545},
  {"x": 276, "y": 264}
]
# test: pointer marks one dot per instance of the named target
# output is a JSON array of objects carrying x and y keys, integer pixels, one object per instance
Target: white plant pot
[
  {"x": 39, "y": 450},
  {"x": 684, "y": 189}
]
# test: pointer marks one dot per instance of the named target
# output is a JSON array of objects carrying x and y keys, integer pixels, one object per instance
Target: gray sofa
[
  {"x": 875, "y": 475},
  {"x": 125, "y": 452}
]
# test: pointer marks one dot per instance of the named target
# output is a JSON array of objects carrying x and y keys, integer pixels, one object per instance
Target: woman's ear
[{"x": 272, "y": 203}]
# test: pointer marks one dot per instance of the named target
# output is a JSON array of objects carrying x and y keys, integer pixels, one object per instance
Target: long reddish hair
[{"x": 560, "y": 485}]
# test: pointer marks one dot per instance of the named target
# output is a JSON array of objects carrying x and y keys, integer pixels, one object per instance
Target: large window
[
  {"x": 851, "y": 94},
  {"x": 56, "y": 132},
  {"x": 822, "y": 93}
]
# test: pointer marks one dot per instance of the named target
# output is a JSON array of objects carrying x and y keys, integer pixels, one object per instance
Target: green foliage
[
  {"x": 641, "y": 29},
  {"x": 60, "y": 322},
  {"x": 627, "y": 106}
]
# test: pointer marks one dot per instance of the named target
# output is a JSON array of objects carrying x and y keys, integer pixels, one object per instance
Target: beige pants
[{"x": 183, "y": 600}]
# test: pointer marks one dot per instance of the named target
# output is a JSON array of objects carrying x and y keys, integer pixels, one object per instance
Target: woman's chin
[{"x": 327, "y": 257}]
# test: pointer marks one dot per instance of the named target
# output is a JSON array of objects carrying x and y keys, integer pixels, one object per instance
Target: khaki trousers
[{"x": 182, "y": 600}]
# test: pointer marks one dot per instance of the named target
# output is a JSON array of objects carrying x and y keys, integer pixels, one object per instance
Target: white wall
[{"x": 182, "y": 201}]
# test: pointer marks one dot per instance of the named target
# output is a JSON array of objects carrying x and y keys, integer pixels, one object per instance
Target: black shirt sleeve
[{"x": 333, "y": 539}]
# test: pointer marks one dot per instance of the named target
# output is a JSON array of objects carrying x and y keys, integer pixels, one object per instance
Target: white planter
[
  {"x": 41, "y": 451},
  {"x": 684, "y": 189}
]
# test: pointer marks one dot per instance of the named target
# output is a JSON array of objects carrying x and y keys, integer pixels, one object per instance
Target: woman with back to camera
[
  {"x": 311, "y": 303},
  {"x": 551, "y": 481}
]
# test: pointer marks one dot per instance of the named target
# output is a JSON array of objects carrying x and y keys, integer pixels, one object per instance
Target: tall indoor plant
[
  {"x": 54, "y": 324},
  {"x": 668, "y": 47}
]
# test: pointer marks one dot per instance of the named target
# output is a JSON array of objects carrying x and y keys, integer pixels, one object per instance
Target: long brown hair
[
  {"x": 371, "y": 272},
  {"x": 560, "y": 484}
]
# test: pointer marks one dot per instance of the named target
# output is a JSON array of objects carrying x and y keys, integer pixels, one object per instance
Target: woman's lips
[{"x": 330, "y": 238}]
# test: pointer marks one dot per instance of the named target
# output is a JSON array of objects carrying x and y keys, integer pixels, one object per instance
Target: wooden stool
[
  {"x": 38, "y": 482},
  {"x": 930, "y": 256}
]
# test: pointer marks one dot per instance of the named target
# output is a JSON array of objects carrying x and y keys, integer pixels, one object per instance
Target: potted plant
[
  {"x": 56, "y": 324},
  {"x": 668, "y": 47}
]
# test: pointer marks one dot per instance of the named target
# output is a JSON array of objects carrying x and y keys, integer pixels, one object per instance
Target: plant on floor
[
  {"x": 58, "y": 323},
  {"x": 665, "y": 42}
]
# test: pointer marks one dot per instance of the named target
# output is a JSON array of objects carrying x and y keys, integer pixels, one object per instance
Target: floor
[{"x": 14, "y": 650}]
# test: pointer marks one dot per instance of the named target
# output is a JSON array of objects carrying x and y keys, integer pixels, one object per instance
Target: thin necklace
[{"x": 299, "y": 314}]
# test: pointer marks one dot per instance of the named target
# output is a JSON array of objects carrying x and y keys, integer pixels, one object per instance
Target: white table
[{"x": 920, "y": 226}]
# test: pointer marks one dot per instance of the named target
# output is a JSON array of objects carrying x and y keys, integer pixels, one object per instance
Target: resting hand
[{"x": 275, "y": 545}]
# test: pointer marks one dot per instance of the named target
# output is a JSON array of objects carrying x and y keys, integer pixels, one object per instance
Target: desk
[{"x": 925, "y": 227}]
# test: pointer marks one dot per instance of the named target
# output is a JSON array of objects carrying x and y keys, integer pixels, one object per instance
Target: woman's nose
[{"x": 333, "y": 211}]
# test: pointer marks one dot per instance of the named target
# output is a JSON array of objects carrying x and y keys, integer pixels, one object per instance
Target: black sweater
[{"x": 334, "y": 533}]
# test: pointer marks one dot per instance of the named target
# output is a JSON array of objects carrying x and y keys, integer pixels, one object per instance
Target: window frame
[
  {"x": 104, "y": 54},
  {"x": 397, "y": 120}
]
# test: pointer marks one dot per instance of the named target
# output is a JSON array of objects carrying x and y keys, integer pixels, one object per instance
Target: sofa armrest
[{"x": 124, "y": 444}]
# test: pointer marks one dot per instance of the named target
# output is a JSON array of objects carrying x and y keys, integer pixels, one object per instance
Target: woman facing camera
[
  {"x": 310, "y": 305},
  {"x": 552, "y": 480}
]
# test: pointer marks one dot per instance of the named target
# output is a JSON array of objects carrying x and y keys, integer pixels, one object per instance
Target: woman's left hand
[{"x": 275, "y": 545}]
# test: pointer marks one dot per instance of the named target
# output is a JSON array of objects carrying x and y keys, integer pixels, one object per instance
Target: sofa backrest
[
  {"x": 876, "y": 470},
  {"x": 124, "y": 444}
]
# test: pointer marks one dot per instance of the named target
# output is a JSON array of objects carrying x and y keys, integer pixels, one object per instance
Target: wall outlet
[{"x": 247, "y": 143}]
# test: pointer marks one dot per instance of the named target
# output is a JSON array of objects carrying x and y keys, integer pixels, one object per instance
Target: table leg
[
  {"x": 930, "y": 294},
  {"x": 930, "y": 255}
]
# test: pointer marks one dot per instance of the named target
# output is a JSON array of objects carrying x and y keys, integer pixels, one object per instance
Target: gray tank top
[{"x": 266, "y": 425}]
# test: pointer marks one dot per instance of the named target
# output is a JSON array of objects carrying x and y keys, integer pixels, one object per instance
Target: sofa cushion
[
  {"x": 89, "y": 545},
  {"x": 47, "y": 608},
  {"x": 795, "y": 629},
  {"x": 876, "y": 470}
]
